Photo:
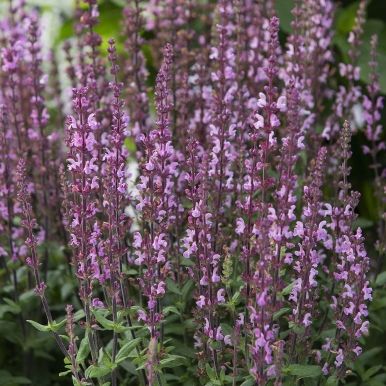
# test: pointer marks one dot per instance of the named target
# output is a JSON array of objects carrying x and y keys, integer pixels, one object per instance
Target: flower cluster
[{"x": 232, "y": 243}]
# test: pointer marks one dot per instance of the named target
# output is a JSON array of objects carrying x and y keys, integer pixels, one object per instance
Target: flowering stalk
[
  {"x": 83, "y": 228},
  {"x": 94, "y": 75},
  {"x": 72, "y": 346},
  {"x": 310, "y": 230},
  {"x": 11, "y": 63},
  {"x": 308, "y": 62},
  {"x": 136, "y": 72},
  {"x": 284, "y": 210},
  {"x": 30, "y": 224},
  {"x": 265, "y": 270},
  {"x": 221, "y": 131},
  {"x": 157, "y": 206},
  {"x": 198, "y": 245},
  {"x": 373, "y": 105},
  {"x": 348, "y": 95},
  {"x": 115, "y": 195},
  {"x": 350, "y": 291},
  {"x": 37, "y": 130},
  {"x": 262, "y": 135}
]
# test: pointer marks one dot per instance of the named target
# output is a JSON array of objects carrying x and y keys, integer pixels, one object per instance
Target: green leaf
[
  {"x": 281, "y": 312},
  {"x": 171, "y": 309},
  {"x": 210, "y": 372},
  {"x": 303, "y": 371},
  {"x": 13, "y": 307},
  {"x": 287, "y": 290},
  {"x": 346, "y": 18},
  {"x": 332, "y": 381},
  {"x": 97, "y": 371},
  {"x": 38, "y": 326},
  {"x": 369, "y": 354},
  {"x": 371, "y": 372},
  {"x": 296, "y": 327},
  {"x": 186, "y": 289},
  {"x": 126, "y": 349},
  {"x": 381, "y": 279},
  {"x": 57, "y": 326},
  {"x": 187, "y": 263},
  {"x": 249, "y": 381},
  {"x": 236, "y": 297},
  {"x": 66, "y": 290},
  {"x": 75, "y": 382},
  {"x": 121, "y": 3},
  {"x": 64, "y": 373},
  {"x": 379, "y": 378},
  {"x": 4, "y": 308},
  {"x": 103, "y": 321},
  {"x": 131, "y": 147},
  {"x": 84, "y": 350},
  {"x": 172, "y": 287},
  {"x": 79, "y": 315},
  {"x": 363, "y": 223},
  {"x": 214, "y": 382},
  {"x": 19, "y": 381},
  {"x": 7, "y": 379},
  {"x": 172, "y": 361},
  {"x": 374, "y": 382},
  {"x": 104, "y": 359},
  {"x": 109, "y": 23},
  {"x": 119, "y": 327},
  {"x": 227, "y": 329},
  {"x": 283, "y": 8}
]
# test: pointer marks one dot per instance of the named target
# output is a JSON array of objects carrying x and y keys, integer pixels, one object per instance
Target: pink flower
[
  {"x": 228, "y": 340},
  {"x": 282, "y": 103},
  {"x": 196, "y": 212},
  {"x": 201, "y": 302},
  {"x": 339, "y": 358},
  {"x": 220, "y": 295},
  {"x": 240, "y": 226},
  {"x": 96, "y": 303},
  {"x": 307, "y": 319}
]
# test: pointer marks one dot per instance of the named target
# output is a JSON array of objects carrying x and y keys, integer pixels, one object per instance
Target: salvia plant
[{"x": 208, "y": 223}]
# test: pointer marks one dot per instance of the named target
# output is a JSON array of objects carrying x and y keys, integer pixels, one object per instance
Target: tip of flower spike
[{"x": 168, "y": 52}]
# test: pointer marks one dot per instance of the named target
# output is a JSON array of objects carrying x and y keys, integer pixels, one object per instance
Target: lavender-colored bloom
[
  {"x": 136, "y": 73},
  {"x": 215, "y": 225},
  {"x": 222, "y": 131},
  {"x": 348, "y": 96},
  {"x": 83, "y": 176},
  {"x": 115, "y": 191},
  {"x": 30, "y": 224},
  {"x": 352, "y": 291},
  {"x": 83, "y": 227},
  {"x": 156, "y": 207},
  {"x": 306, "y": 256},
  {"x": 309, "y": 57},
  {"x": 373, "y": 105}
]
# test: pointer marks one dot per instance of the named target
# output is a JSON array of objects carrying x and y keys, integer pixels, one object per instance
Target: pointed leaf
[
  {"x": 103, "y": 321},
  {"x": 173, "y": 287},
  {"x": 126, "y": 349},
  {"x": 38, "y": 326},
  {"x": 172, "y": 361},
  {"x": 97, "y": 371},
  {"x": 303, "y": 371},
  {"x": 57, "y": 326},
  {"x": 249, "y": 381},
  {"x": 171, "y": 309},
  {"x": 84, "y": 350}
]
